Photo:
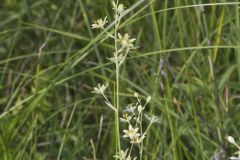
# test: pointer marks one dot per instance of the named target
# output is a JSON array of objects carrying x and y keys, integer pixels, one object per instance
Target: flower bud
[
  {"x": 136, "y": 94},
  {"x": 231, "y": 139},
  {"x": 148, "y": 99}
]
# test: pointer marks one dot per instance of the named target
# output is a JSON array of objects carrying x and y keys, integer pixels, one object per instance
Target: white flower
[
  {"x": 131, "y": 133},
  {"x": 118, "y": 8},
  {"x": 152, "y": 118},
  {"x": 130, "y": 108},
  {"x": 100, "y": 23},
  {"x": 126, "y": 118},
  {"x": 231, "y": 139},
  {"x": 121, "y": 155},
  {"x": 136, "y": 94},
  {"x": 125, "y": 41},
  {"x": 100, "y": 89},
  {"x": 116, "y": 58},
  {"x": 148, "y": 99},
  {"x": 138, "y": 140}
]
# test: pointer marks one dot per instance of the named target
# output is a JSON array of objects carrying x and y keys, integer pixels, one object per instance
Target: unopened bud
[
  {"x": 148, "y": 99},
  {"x": 136, "y": 94},
  {"x": 231, "y": 139}
]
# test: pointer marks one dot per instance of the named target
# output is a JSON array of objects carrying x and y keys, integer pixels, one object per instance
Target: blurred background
[{"x": 188, "y": 61}]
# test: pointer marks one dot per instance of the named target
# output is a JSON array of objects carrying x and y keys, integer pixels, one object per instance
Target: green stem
[
  {"x": 117, "y": 80},
  {"x": 129, "y": 154},
  {"x": 117, "y": 113},
  {"x": 141, "y": 145}
]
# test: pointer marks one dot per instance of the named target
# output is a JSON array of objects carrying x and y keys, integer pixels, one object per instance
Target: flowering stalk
[
  {"x": 117, "y": 75},
  {"x": 117, "y": 113},
  {"x": 123, "y": 44}
]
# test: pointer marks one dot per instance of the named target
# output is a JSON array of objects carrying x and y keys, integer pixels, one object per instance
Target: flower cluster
[
  {"x": 124, "y": 41},
  {"x": 133, "y": 115}
]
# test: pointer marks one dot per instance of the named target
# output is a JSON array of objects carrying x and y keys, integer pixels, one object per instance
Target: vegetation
[{"x": 188, "y": 61}]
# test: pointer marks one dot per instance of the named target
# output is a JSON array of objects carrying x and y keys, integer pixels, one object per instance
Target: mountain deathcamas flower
[
  {"x": 138, "y": 140},
  {"x": 124, "y": 156},
  {"x": 118, "y": 8},
  {"x": 125, "y": 41},
  {"x": 116, "y": 58},
  {"x": 100, "y": 89},
  {"x": 152, "y": 118},
  {"x": 131, "y": 133},
  {"x": 100, "y": 23},
  {"x": 126, "y": 118}
]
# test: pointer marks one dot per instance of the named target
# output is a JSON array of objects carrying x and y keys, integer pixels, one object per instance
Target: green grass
[{"x": 47, "y": 110}]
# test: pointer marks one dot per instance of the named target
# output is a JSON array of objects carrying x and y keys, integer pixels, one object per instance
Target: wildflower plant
[
  {"x": 237, "y": 153},
  {"x": 133, "y": 114}
]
